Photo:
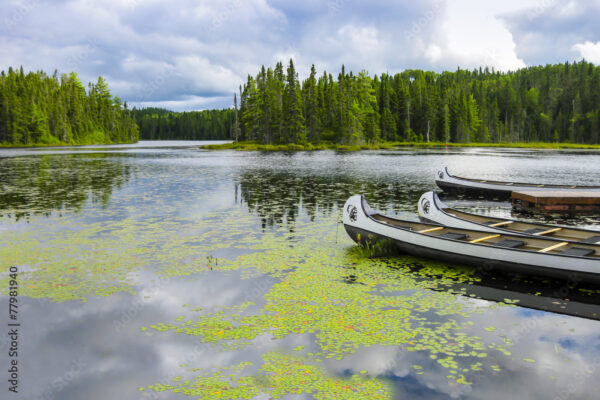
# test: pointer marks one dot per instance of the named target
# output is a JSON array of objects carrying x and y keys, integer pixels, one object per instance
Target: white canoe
[
  {"x": 432, "y": 209},
  {"x": 530, "y": 255}
]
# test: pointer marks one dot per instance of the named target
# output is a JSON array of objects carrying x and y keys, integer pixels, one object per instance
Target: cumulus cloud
[
  {"x": 588, "y": 50},
  {"x": 548, "y": 31},
  {"x": 190, "y": 54}
]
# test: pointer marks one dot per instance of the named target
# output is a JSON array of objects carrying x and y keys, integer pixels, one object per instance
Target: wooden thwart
[
  {"x": 439, "y": 228},
  {"x": 502, "y": 224},
  {"x": 549, "y": 231},
  {"x": 483, "y": 239},
  {"x": 554, "y": 247}
]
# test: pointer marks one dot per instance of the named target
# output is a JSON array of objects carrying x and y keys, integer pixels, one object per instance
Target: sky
[{"x": 194, "y": 54}]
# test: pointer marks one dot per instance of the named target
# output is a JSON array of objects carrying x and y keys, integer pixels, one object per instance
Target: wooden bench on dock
[{"x": 557, "y": 201}]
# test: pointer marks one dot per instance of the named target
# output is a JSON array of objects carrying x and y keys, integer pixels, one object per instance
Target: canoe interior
[
  {"x": 520, "y": 227},
  {"x": 532, "y": 244}
]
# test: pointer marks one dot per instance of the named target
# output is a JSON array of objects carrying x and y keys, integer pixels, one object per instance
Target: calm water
[{"x": 159, "y": 271}]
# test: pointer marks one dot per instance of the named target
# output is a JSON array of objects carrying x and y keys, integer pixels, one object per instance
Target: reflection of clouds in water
[
  {"x": 555, "y": 367},
  {"x": 72, "y": 350},
  {"x": 567, "y": 364},
  {"x": 178, "y": 190}
]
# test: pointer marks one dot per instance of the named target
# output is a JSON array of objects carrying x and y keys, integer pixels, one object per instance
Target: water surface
[{"x": 158, "y": 270}]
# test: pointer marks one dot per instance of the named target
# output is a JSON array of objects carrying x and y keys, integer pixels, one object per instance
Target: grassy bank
[
  {"x": 253, "y": 146},
  {"x": 531, "y": 145}
]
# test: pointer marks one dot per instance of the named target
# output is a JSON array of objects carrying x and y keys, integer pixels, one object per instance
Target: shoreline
[
  {"x": 253, "y": 146},
  {"x": 26, "y": 146}
]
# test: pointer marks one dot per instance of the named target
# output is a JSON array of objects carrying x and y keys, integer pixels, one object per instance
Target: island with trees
[{"x": 543, "y": 106}]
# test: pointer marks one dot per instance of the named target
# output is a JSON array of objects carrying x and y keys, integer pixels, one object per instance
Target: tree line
[
  {"x": 36, "y": 108},
  {"x": 162, "y": 124},
  {"x": 553, "y": 103}
]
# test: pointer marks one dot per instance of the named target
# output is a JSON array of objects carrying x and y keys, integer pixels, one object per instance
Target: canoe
[
  {"x": 458, "y": 185},
  {"x": 487, "y": 251},
  {"x": 432, "y": 209}
]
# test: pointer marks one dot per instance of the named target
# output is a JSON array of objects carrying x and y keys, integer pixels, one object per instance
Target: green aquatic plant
[
  {"x": 280, "y": 374},
  {"x": 348, "y": 299}
]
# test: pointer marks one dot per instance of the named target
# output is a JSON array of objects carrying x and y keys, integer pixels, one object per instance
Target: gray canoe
[
  {"x": 459, "y": 185},
  {"x": 485, "y": 250}
]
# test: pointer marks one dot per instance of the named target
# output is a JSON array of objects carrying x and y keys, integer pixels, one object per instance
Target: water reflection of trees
[
  {"x": 278, "y": 197},
  {"x": 41, "y": 185}
]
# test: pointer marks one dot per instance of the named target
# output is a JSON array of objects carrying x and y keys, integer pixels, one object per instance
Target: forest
[
  {"x": 38, "y": 109},
  {"x": 161, "y": 124},
  {"x": 553, "y": 103}
]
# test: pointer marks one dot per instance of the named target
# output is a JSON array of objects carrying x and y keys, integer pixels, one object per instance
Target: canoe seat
[
  {"x": 534, "y": 231},
  {"x": 592, "y": 240},
  {"x": 578, "y": 252},
  {"x": 454, "y": 236},
  {"x": 511, "y": 244}
]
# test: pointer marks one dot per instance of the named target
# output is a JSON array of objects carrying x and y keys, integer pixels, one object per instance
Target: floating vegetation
[
  {"x": 391, "y": 302},
  {"x": 279, "y": 375}
]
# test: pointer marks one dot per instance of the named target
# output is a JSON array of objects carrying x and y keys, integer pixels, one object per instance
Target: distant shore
[
  {"x": 24, "y": 146},
  {"x": 253, "y": 146}
]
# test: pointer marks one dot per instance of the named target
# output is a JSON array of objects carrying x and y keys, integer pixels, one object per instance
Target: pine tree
[
  {"x": 311, "y": 105},
  {"x": 292, "y": 108}
]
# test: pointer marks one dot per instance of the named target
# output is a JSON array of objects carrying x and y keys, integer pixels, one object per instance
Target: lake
[{"x": 161, "y": 271}]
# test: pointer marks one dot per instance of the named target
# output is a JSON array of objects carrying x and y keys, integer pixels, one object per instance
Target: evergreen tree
[
  {"x": 310, "y": 93},
  {"x": 39, "y": 109},
  {"x": 294, "y": 129}
]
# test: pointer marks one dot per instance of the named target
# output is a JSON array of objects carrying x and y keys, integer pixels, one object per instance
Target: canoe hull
[
  {"x": 483, "y": 266},
  {"x": 492, "y": 189},
  {"x": 460, "y": 189}
]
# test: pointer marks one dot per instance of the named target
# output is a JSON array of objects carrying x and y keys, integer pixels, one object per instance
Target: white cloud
[
  {"x": 588, "y": 50},
  {"x": 188, "y": 103},
  {"x": 472, "y": 35},
  {"x": 433, "y": 53},
  {"x": 548, "y": 30}
]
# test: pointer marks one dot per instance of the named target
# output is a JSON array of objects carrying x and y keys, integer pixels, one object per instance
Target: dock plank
[
  {"x": 561, "y": 201},
  {"x": 559, "y": 196}
]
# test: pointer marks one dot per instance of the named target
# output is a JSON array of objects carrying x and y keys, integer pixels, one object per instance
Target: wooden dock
[{"x": 557, "y": 201}]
